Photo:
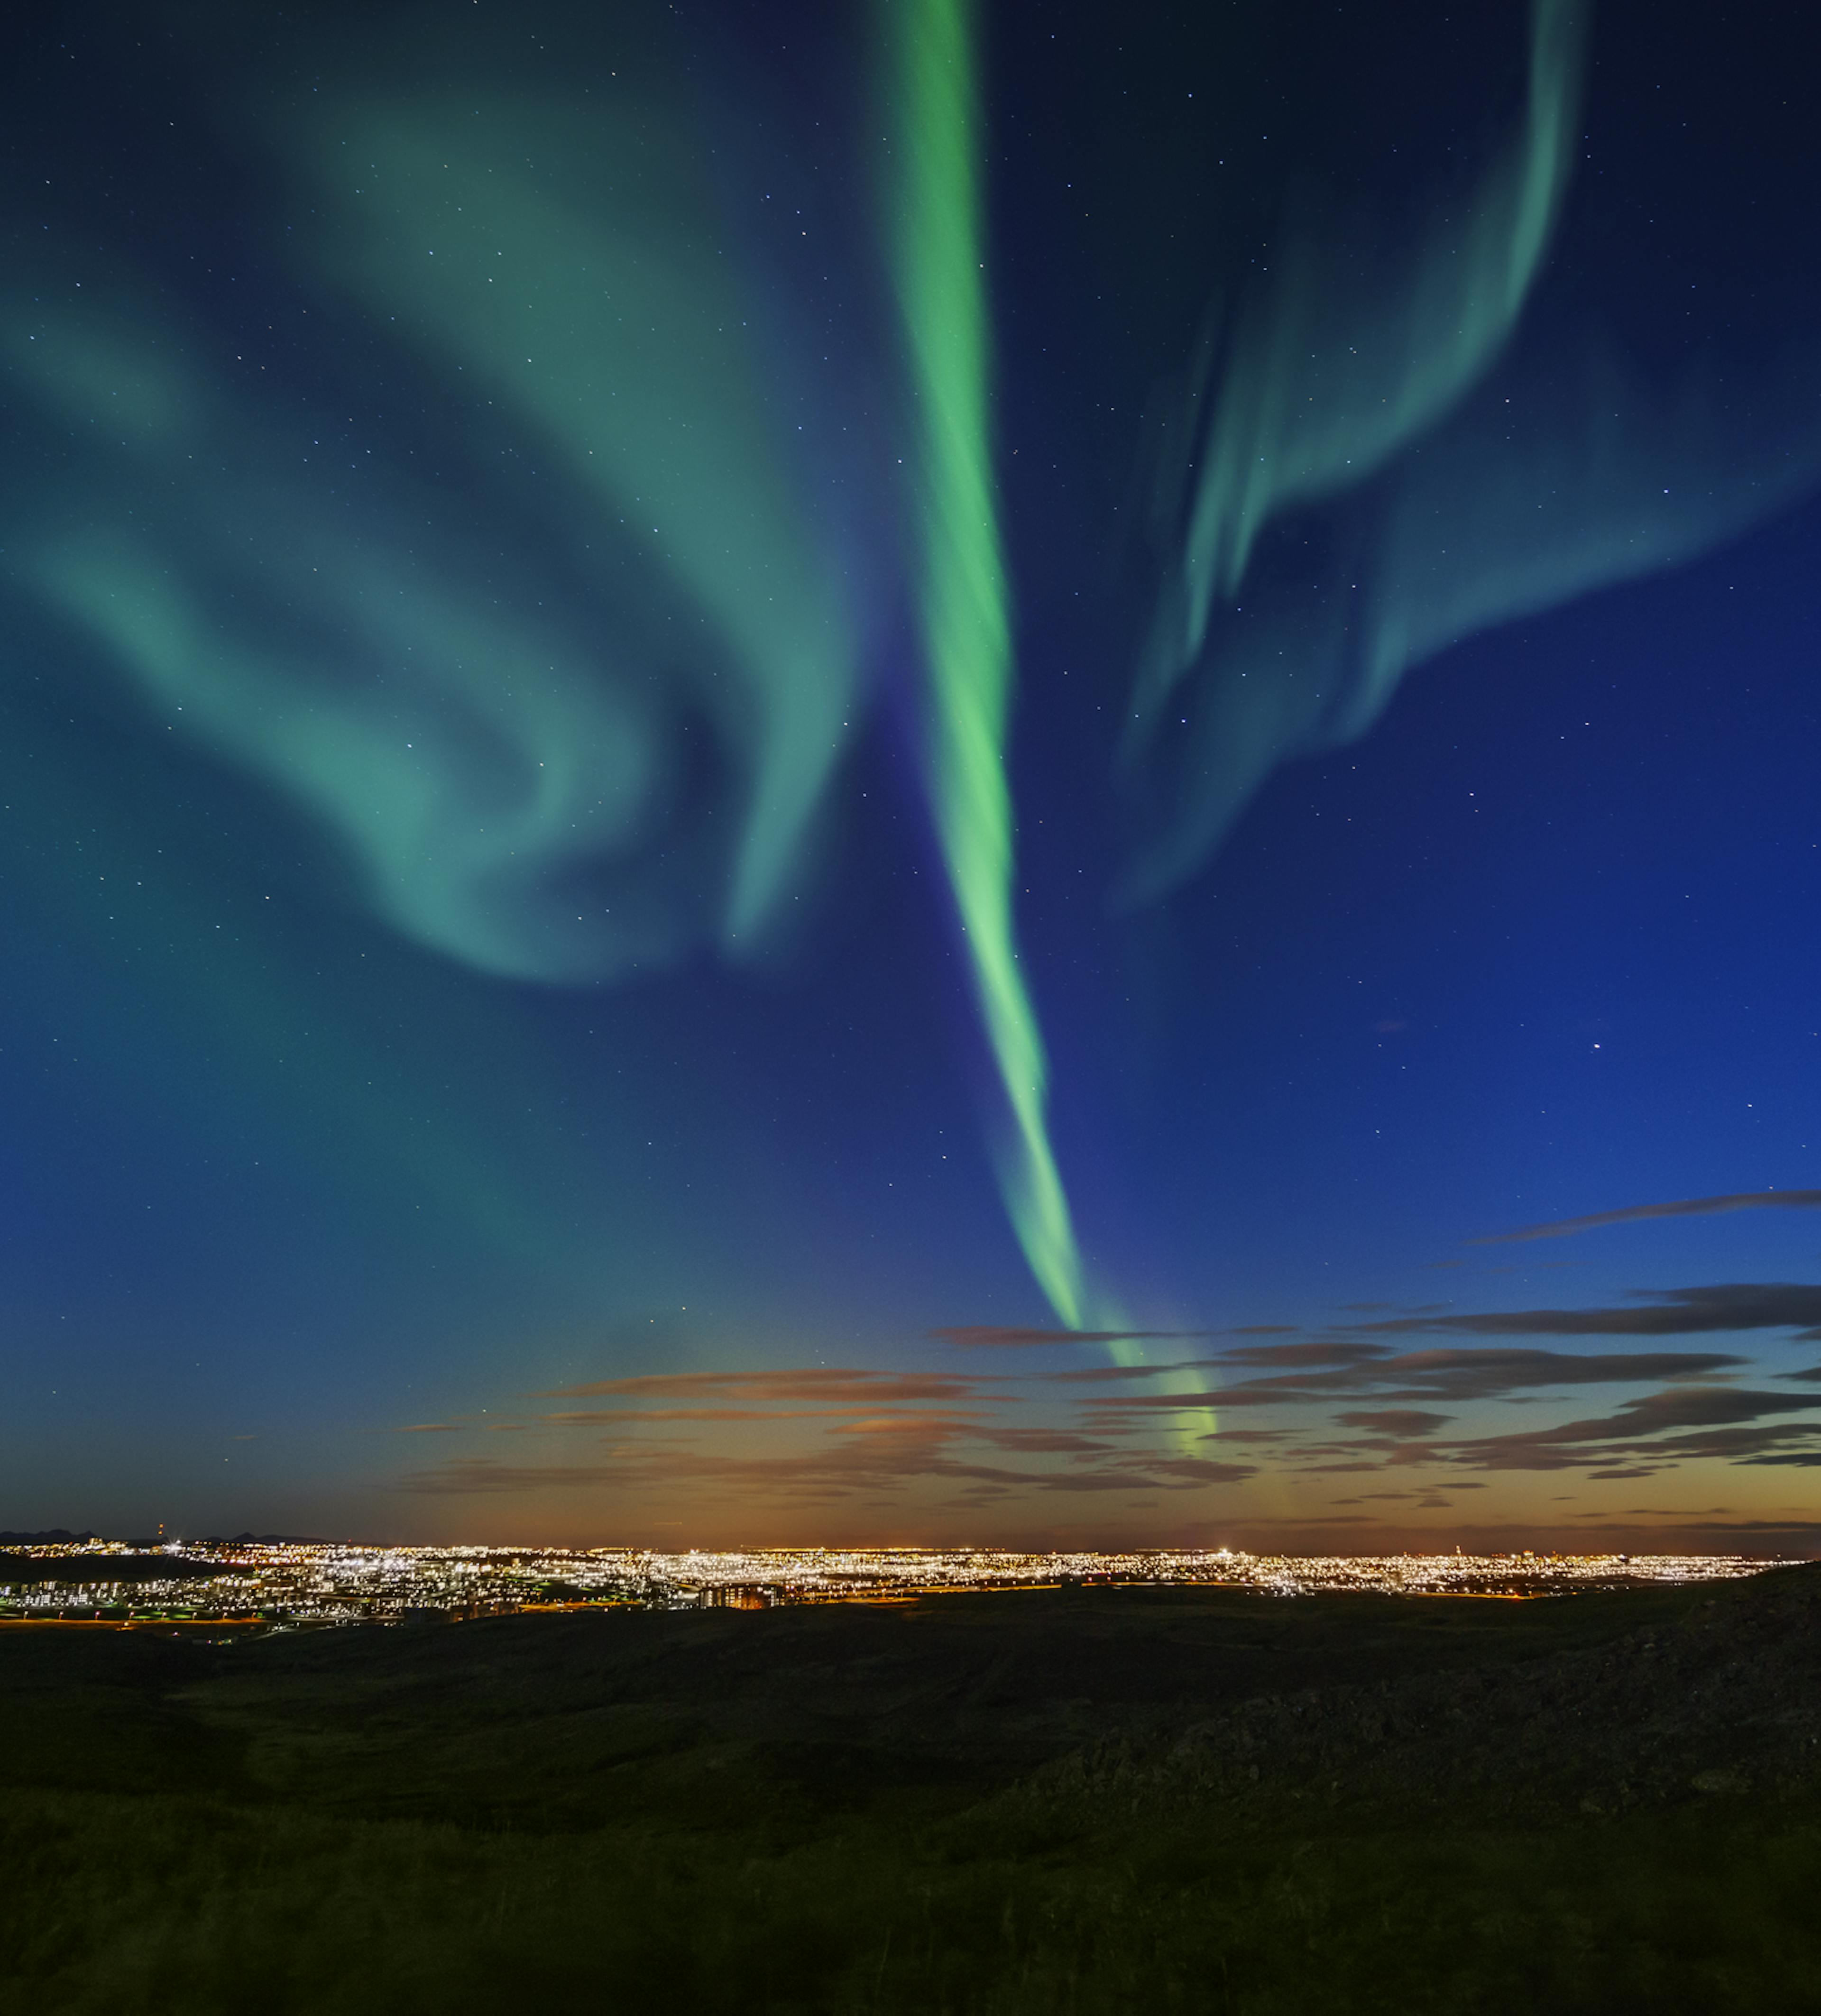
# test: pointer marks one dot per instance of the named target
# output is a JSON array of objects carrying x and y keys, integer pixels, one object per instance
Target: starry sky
[{"x": 888, "y": 771}]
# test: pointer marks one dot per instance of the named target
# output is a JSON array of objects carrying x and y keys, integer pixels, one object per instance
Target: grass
[
  {"x": 136, "y": 1906},
  {"x": 879, "y": 1816}
]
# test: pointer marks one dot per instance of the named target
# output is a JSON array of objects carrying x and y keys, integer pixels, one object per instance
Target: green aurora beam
[{"x": 938, "y": 268}]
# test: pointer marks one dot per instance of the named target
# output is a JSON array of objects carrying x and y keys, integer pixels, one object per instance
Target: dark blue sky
[{"x": 340, "y": 670}]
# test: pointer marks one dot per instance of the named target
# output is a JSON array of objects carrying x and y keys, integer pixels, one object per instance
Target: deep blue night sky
[{"x": 330, "y": 1152}]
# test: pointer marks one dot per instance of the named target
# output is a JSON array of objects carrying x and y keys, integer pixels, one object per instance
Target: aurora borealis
[
  {"x": 897, "y": 770},
  {"x": 962, "y": 594}
]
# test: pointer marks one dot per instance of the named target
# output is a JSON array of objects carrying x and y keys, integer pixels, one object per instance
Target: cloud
[
  {"x": 823, "y": 1475},
  {"x": 1686, "y": 1406},
  {"x": 974, "y": 1336},
  {"x": 1179, "y": 1473},
  {"x": 1039, "y": 1442},
  {"x": 621, "y": 1416},
  {"x": 1617, "y": 1438},
  {"x": 1200, "y": 1470},
  {"x": 1329, "y": 1352},
  {"x": 1461, "y": 1374},
  {"x": 1099, "y": 1375},
  {"x": 813, "y": 1383},
  {"x": 1748, "y": 1445},
  {"x": 869, "y": 1433},
  {"x": 1454, "y": 1374},
  {"x": 1708, "y": 1206},
  {"x": 1400, "y": 1421},
  {"x": 1658, "y": 1312},
  {"x": 1203, "y": 1400},
  {"x": 859, "y": 1432}
]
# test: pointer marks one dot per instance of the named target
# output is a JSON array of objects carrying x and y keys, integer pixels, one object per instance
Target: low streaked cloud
[
  {"x": 1106, "y": 1375},
  {"x": 976, "y": 1336},
  {"x": 824, "y": 1475},
  {"x": 1329, "y": 1353},
  {"x": 1041, "y": 1442},
  {"x": 868, "y": 1433},
  {"x": 1708, "y": 1206},
  {"x": 1326, "y": 1352},
  {"x": 1636, "y": 1434},
  {"x": 1363, "y": 1403},
  {"x": 1457, "y": 1375},
  {"x": 621, "y": 1416},
  {"x": 1462, "y": 1373},
  {"x": 1402, "y": 1422},
  {"x": 1730, "y": 1306},
  {"x": 803, "y": 1383}
]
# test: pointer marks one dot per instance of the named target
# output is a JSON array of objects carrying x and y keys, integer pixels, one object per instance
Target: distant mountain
[
  {"x": 61, "y": 1536},
  {"x": 156, "y": 1567}
]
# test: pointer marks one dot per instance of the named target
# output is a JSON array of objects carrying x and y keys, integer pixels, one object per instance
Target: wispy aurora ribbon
[{"x": 937, "y": 267}]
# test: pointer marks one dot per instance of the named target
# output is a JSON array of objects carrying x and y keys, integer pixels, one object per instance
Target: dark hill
[
  {"x": 1089, "y": 1799},
  {"x": 20, "y": 1569}
]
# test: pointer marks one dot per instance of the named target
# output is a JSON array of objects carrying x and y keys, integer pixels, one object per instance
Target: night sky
[{"x": 811, "y": 773}]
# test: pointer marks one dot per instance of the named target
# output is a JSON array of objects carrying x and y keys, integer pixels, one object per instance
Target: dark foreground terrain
[{"x": 1116, "y": 1801}]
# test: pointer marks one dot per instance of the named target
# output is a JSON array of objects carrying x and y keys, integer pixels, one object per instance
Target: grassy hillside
[{"x": 1104, "y": 1801}]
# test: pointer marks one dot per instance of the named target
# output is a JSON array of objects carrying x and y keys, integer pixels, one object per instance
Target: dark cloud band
[
  {"x": 1729, "y": 1305},
  {"x": 1709, "y": 1207},
  {"x": 997, "y": 1336}
]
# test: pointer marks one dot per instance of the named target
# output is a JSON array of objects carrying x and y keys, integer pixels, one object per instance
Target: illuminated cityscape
[{"x": 281, "y": 1584}]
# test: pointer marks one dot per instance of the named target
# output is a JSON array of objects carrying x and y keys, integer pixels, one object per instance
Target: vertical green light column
[{"x": 939, "y": 272}]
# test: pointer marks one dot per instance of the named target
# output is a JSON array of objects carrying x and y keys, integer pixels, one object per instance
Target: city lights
[{"x": 276, "y": 1585}]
